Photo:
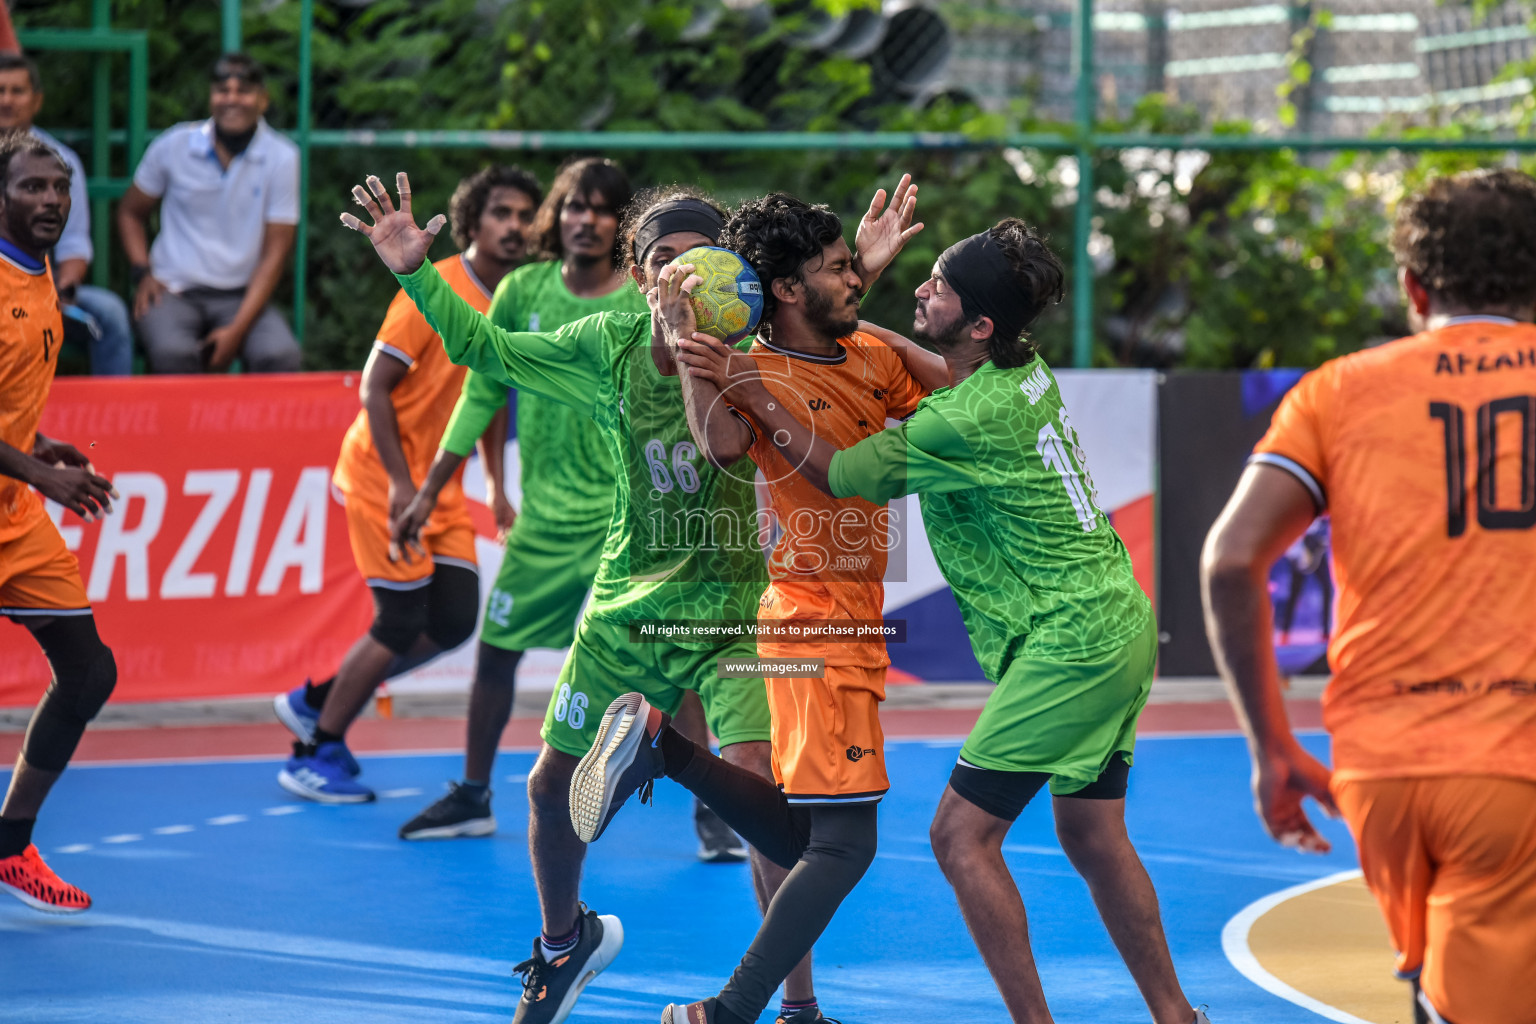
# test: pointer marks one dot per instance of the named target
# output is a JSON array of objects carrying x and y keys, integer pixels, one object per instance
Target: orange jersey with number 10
[
  {"x": 1424, "y": 453},
  {"x": 33, "y": 328}
]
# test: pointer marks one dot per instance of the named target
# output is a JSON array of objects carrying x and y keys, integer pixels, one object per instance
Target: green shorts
[
  {"x": 544, "y": 578},
  {"x": 1065, "y": 719},
  {"x": 604, "y": 665}
]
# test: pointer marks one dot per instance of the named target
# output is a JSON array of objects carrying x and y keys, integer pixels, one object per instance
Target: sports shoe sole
[
  {"x": 297, "y": 788},
  {"x": 617, "y": 743},
  {"x": 602, "y": 956},
  {"x": 458, "y": 830},
  {"x": 296, "y": 725},
  {"x": 43, "y": 905}
]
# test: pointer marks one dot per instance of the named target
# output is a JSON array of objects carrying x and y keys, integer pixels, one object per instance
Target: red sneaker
[{"x": 26, "y": 877}]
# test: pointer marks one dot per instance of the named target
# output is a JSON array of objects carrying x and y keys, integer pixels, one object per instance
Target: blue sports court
[{"x": 221, "y": 898}]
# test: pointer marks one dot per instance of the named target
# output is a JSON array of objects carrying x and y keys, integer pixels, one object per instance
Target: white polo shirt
[{"x": 212, "y": 219}]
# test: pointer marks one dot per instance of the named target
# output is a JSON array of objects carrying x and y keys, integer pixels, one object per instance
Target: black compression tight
[{"x": 826, "y": 847}]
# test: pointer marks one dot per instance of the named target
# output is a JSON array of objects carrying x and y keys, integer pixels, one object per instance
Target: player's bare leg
[
  {"x": 757, "y": 757},
  {"x": 555, "y": 852},
  {"x": 1092, "y": 833},
  {"x": 491, "y": 695},
  {"x": 363, "y": 668},
  {"x": 968, "y": 843}
]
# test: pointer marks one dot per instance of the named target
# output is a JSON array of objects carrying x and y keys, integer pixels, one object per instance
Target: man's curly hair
[
  {"x": 776, "y": 235},
  {"x": 468, "y": 203},
  {"x": 647, "y": 200},
  {"x": 1038, "y": 274},
  {"x": 1470, "y": 238}
]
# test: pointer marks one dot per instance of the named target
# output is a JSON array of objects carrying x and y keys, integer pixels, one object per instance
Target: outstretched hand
[
  {"x": 884, "y": 230},
  {"x": 394, "y": 234},
  {"x": 673, "y": 301}
]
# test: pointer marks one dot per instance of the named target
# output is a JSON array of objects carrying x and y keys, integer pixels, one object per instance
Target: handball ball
[{"x": 729, "y": 302}]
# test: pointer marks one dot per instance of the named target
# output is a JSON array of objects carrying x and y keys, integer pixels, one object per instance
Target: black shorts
[{"x": 1006, "y": 794}]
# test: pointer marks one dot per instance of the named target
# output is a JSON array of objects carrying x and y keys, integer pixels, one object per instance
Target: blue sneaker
[
  {"x": 298, "y": 716},
  {"x": 301, "y": 720},
  {"x": 323, "y": 776}
]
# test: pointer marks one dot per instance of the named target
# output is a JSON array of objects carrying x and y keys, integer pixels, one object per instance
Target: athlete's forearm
[
  {"x": 720, "y": 435},
  {"x": 927, "y": 368},
  {"x": 18, "y": 465},
  {"x": 810, "y": 455},
  {"x": 444, "y": 465},
  {"x": 1238, "y": 614},
  {"x": 384, "y": 428},
  {"x": 469, "y": 336},
  {"x": 492, "y": 446}
]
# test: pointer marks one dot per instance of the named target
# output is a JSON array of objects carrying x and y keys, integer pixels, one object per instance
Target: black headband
[
  {"x": 976, "y": 269},
  {"x": 673, "y": 216}
]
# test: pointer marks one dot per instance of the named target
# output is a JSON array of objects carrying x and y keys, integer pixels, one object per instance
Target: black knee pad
[
  {"x": 846, "y": 834},
  {"x": 399, "y": 617},
  {"x": 84, "y": 675},
  {"x": 453, "y": 603}
]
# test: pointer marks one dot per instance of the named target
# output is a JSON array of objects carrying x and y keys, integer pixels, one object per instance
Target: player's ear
[
  {"x": 1418, "y": 295},
  {"x": 785, "y": 290},
  {"x": 637, "y": 275},
  {"x": 982, "y": 328}
]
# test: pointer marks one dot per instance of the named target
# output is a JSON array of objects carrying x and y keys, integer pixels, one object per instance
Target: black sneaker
[
  {"x": 718, "y": 844},
  {"x": 550, "y": 988},
  {"x": 456, "y": 814},
  {"x": 622, "y": 760}
]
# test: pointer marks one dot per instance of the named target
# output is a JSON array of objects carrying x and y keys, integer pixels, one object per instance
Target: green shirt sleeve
[
  {"x": 926, "y": 453},
  {"x": 480, "y": 400},
  {"x": 564, "y": 366}
]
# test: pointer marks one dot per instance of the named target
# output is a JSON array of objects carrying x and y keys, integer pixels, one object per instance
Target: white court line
[
  {"x": 172, "y": 830},
  {"x": 126, "y": 837},
  {"x": 74, "y": 848},
  {"x": 1234, "y": 943},
  {"x": 228, "y": 819},
  {"x": 282, "y": 809}
]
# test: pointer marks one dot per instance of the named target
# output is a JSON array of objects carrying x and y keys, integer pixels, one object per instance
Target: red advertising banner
[{"x": 225, "y": 569}]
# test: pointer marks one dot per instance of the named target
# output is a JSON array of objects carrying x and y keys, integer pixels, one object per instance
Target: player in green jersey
[
  {"x": 1044, "y": 584},
  {"x": 682, "y": 548}
]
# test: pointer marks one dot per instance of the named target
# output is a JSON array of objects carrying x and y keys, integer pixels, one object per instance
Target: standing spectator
[
  {"x": 101, "y": 313},
  {"x": 230, "y": 189}
]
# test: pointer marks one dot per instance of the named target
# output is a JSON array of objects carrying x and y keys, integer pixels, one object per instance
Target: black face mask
[{"x": 234, "y": 144}]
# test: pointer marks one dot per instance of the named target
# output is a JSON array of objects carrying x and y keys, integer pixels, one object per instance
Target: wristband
[{"x": 137, "y": 273}]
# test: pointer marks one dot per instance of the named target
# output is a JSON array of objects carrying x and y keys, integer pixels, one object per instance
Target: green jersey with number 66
[
  {"x": 1011, "y": 514},
  {"x": 683, "y": 541}
]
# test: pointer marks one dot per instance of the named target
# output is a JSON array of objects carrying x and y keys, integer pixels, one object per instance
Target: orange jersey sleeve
[
  {"x": 423, "y": 401},
  {"x": 1423, "y": 451}
]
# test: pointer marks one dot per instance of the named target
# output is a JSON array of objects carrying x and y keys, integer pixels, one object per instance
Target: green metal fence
[{"x": 1082, "y": 140}]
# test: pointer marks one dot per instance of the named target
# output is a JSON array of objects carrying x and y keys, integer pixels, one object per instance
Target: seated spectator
[
  {"x": 228, "y": 192},
  {"x": 101, "y": 315}
]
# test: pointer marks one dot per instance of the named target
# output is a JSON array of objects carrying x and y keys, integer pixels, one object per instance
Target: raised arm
[
  {"x": 884, "y": 230},
  {"x": 721, "y": 435},
  {"x": 563, "y": 366}
]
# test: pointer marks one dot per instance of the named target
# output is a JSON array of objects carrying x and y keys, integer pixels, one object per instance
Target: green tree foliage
[{"x": 1249, "y": 259}]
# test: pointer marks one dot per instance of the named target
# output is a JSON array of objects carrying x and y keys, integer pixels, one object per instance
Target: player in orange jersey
[
  {"x": 420, "y": 568},
  {"x": 1423, "y": 452},
  {"x": 827, "y": 571},
  {"x": 40, "y": 585}
]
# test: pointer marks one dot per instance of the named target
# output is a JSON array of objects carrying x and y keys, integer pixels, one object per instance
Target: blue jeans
[{"x": 106, "y": 314}]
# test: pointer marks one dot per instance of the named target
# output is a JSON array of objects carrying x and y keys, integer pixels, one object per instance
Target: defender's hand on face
[
  {"x": 673, "y": 305},
  {"x": 884, "y": 230},
  {"x": 394, "y": 234}
]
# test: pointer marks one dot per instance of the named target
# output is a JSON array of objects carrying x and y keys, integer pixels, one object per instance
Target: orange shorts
[
  {"x": 1452, "y": 864},
  {"x": 39, "y": 575},
  {"x": 827, "y": 743},
  {"x": 448, "y": 538}
]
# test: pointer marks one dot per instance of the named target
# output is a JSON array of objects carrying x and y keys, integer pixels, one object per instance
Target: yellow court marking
[{"x": 1323, "y": 946}]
